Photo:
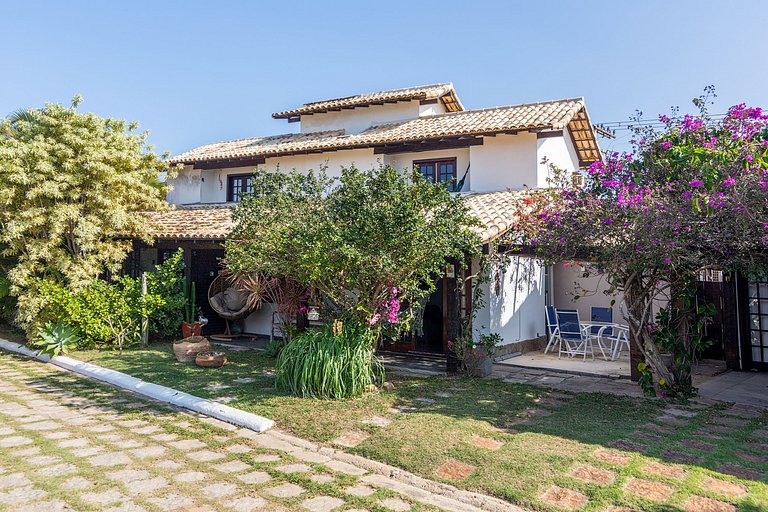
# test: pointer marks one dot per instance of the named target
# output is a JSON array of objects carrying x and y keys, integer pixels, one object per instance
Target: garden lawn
[{"x": 539, "y": 448}]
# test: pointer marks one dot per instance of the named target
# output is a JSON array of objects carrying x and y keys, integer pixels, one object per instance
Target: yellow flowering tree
[{"x": 72, "y": 185}]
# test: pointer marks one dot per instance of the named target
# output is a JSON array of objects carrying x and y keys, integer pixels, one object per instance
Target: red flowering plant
[{"x": 690, "y": 197}]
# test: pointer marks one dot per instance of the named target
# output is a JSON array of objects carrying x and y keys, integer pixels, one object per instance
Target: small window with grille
[
  {"x": 439, "y": 171},
  {"x": 238, "y": 185}
]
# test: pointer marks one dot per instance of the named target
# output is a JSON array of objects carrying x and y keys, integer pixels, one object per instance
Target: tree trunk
[{"x": 638, "y": 297}]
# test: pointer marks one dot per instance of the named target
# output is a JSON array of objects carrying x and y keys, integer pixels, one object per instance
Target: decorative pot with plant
[
  {"x": 211, "y": 359},
  {"x": 187, "y": 349},
  {"x": 189, "y": 327},
  {"x": 475, "y": 356}
]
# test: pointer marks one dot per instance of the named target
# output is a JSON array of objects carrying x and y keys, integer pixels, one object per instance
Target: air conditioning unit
[{"x": 578, "y": 180}]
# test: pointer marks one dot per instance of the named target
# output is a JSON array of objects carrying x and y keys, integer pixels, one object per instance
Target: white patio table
[{"x": 586, "y": 327}]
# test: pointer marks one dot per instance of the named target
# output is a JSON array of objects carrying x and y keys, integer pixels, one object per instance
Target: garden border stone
[{"x": 154, "y": 391}]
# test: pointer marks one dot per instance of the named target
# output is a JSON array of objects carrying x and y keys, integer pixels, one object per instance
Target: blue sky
[{"x": 196, "y": 72}]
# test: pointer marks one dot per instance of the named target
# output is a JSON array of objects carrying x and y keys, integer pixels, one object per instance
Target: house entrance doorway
[
  {"x": 432, "y": 334},
  {"x": 427, "y": 334},
  {"x": 757, "y": 352},
  {"x": 711, "y": 290}
]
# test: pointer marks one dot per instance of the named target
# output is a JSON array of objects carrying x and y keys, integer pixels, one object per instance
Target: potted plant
[
  {"x": 186, "y": 350},
  {"x": 475, "y": 357},
  {"x": 190, "y": 327},
  {"x": 209, "y": 359}
]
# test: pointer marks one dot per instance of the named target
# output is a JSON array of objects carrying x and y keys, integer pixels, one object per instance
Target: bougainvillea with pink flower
[{"x": 690, "y": 196}]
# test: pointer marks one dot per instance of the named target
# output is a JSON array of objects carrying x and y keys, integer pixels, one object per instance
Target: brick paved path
[{"x": 67, "y": 443}]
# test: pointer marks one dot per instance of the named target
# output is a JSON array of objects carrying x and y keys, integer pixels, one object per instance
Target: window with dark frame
[
  {"x": 442, "y": 170},
  {"x": 237, "y": 186}
]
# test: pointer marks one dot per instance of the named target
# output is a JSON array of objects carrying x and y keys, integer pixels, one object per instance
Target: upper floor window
[
  {"x": 238, "y": 185},
  {"x": 441, "y": 170}
]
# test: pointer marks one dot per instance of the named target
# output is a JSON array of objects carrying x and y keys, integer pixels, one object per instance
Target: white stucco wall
[
  {"x": 363, "y": 159},
  {"x": 260, "y": 321},
  {"x": 358, "y": 119},
  {"x": 185, "y": 188},
  {"x": 402, "y": 161},
  {"x": 568, "y": 283},
  {"x": 504, "y": 162},
  {"x": 558, "y": 151},
  {"x": 514, "y": 309}
]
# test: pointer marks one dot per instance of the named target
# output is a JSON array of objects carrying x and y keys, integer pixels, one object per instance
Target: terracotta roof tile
[
  {"x": 205, "y": 221},
  {"x": 497, "y": 211},
  {"x": 563, "y": 114},
  {"x": 422, "y": 92}
]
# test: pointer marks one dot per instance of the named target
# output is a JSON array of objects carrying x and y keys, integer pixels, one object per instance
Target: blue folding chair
[
  {"x": 574, "y": 340},
  {"x": 602, "y": 333},
  {"x": 552, "y": 329}
]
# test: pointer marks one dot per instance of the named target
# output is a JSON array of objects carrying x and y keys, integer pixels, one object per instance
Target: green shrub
[
  {"x": 167, "y": 282},
  {"x": 55, "y": 339},
  {"x": 105, "y": 314},
  {"x": 273, "y": 348},
  {"x": 7, "y": 301},
  {"x": 109, "y": 314},
  {"x": 321, "y": 363}
]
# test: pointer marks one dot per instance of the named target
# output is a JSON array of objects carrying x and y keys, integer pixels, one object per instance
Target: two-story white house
[{"x": 494, "y": 153}]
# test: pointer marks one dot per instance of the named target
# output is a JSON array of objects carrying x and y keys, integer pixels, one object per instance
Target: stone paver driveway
[{"x": 67, "y": 443}]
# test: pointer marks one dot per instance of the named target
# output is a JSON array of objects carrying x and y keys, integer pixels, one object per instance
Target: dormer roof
[
  {"x": 445, "y": 93},
  {"x": 567, "y": 114}
]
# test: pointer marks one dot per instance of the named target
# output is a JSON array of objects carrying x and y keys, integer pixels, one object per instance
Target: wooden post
[{"x": 144, "y": 319}]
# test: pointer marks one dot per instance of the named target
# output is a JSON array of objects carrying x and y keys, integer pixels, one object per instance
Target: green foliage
[
  {"x": 273, "y": 348},
  {"x": 321, "y": 363},
  {"x": 56, "y": 338},
  {"x": 106, "y": 314},
  {"x": 190, "y": 300},
  {"x": 7, "y": 301},
  {"x": 472, "y": 352},
  {"x": 72, "y": 185},
  {"x": 167, "y": 281},
  {"x": 665, "y": 333},
  {"x": 646, "y": 380},
  {"x": 353, "y": 238}
]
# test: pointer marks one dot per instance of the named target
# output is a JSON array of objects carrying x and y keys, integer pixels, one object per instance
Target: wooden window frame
[
  {"x": 436, "y": 162},
  {"x": 230, "y": 186}
]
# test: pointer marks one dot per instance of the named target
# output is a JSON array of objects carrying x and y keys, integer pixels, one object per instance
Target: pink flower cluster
[
  {"x": 744, "y": 122},
  {"x": 388, "y": 309}
]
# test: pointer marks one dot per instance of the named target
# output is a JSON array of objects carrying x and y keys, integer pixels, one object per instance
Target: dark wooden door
[
  {"x": 757, "y": 301},
  {"x": 203, "y": 269},
  {"x": 711, "y": 292}
]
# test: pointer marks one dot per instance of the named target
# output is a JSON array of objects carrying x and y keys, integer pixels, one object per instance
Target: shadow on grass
[{"x": 545, "y": 432}]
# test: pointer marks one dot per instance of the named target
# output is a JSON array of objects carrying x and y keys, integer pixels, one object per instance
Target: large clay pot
[
  {"x": 211, "y": 359},
  {"x": 189, "y": 329},
  {"x": 187, "y": 349}
]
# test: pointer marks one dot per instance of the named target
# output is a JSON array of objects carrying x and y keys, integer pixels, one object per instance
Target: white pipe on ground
[{"x": 154, "y": 391}]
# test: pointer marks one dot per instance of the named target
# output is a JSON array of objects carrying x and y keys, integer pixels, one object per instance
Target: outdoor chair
[
  {"x": 616, "y": 335},
  {"x": 574, "y": 340},
  {"x": 552, "y": 330},
  {"x": 604, "y": 335},
  {"x": 621, "y": 342}
]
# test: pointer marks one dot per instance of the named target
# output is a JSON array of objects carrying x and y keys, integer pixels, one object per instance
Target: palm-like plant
[{"x": 54, "y": 339}]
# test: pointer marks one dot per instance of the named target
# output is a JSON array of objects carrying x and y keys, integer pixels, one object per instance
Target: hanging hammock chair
[{"x": 230, "y": 303}]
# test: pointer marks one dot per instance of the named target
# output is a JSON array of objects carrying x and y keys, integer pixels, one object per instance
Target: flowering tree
[
  {"x": 71, "y": 188},
  {"x": 366, "y": 241},
  {"x": 691, "y": 196}
]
